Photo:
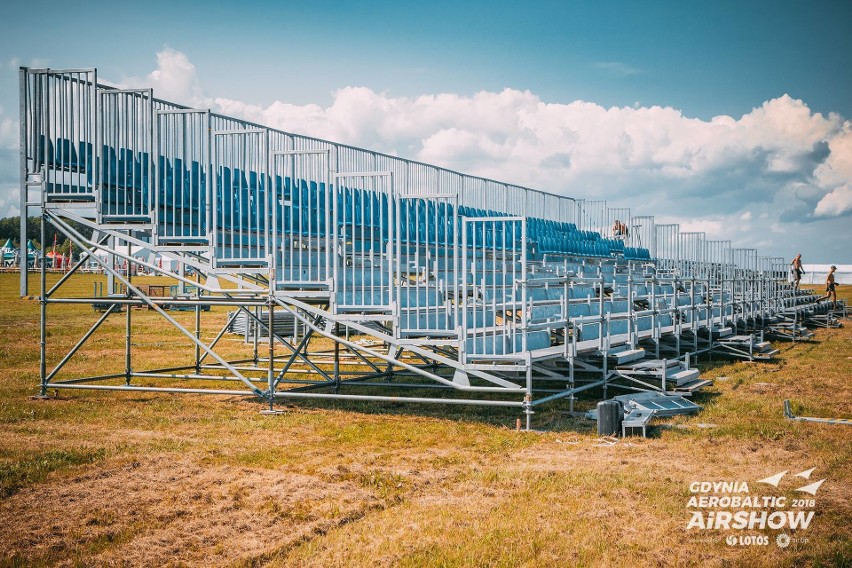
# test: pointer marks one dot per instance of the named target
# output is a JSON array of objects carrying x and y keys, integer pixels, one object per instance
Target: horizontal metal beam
[
  {"x": 161, "y": 300},
  {"x": 366, "y": 397},
  {"x": 153, "y": 389}
]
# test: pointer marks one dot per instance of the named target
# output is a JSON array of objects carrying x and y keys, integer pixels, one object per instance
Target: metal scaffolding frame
[{"x": 422, "y": 278}]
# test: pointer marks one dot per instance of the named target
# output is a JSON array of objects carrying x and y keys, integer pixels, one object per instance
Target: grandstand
[{"x": 443, "y": 287}]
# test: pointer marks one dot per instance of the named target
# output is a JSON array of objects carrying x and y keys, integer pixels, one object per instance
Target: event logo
[{"x": 735, "y": 506}]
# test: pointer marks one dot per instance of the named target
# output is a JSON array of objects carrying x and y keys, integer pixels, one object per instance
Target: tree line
[{"x": 10, "y": 228}]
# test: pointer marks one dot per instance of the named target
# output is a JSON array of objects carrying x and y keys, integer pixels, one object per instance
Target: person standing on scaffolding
[
  {"x": 619, "y": 230},
  {"x": 831, "y": 288},
  {"x": 796, "y": 271}
]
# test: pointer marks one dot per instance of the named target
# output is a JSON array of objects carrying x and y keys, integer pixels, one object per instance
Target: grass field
[{"x": 90, "y": 478}]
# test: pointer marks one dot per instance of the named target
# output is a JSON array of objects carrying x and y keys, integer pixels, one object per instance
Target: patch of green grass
[
  {"x": 445, "y": 485},
  {"x": 385, "y": 485}
]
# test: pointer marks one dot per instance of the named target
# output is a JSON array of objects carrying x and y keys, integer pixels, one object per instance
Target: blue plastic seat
[
  {"x": 126, "y": 167},
  {"x": 109, "y": 167},
  {"x": 45, "y": 151},
  {"x": 66, "y": 154},
  {"x": 179, "y": 182},
  {"x": 224, "y": 209}
]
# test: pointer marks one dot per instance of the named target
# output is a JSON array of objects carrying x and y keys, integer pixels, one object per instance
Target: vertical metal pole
[
  {"x": 42, "y": 300},
  {"x": 128, "y": 308},
  {"x": 258, "y": 313},
  {"x": 109, "y": 273},
  {"x": 22, "y": 245},
  {"x": 182, "y": 273},
  {"x": 655, "y": 319},
  {"x": 336, "y": 359},
  {"x": 571, "y": 382},
  {"x": 528, "y": 398},
  {"x": 272, "y": 259},
  {"x": 694, "y": 316},
  {"x": 270, "y": 371},
  {"x": 198, "y": 322},
  {"x": 679, "y": 315}
]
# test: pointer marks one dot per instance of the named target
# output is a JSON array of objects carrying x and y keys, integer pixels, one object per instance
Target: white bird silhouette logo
[{"x": 775, "y": 480}]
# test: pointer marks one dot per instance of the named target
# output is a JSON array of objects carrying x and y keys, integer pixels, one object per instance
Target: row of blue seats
[
  {"x": 565, "y": 244},
  {"x": 636, "y": 253},
  {"x": 474, "y": 212},
  {"x": 434, "y": 223},
  {"x": 359, "y": 208},
  {"x": 182, "y": 188},
  {"x": 538, "y": 228},
  {"x": 125, "y": 176},
  {"x": 502, "y": 344},
  {"x": 65, "y": 155},
  {"x": 367, "y": 215},
  {"x": 123, "y": 168}
]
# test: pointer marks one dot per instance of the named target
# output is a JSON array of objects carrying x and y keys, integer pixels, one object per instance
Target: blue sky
[{"x": 780, "y": 178}]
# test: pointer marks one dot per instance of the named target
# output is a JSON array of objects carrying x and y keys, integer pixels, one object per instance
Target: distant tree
[{"x": 10, "y": 228}]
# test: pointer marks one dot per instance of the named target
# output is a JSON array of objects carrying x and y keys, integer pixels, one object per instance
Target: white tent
[
  {"x": 9, "y": 254},
  {"x": 816, "y": 273},
  {"x": 144, "y": 254}
]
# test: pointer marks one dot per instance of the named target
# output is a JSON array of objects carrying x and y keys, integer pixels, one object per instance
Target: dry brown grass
[{"x": 150, "y": 479}]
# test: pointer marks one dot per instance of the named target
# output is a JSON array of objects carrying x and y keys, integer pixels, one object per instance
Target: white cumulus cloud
[
  {"x": 9, "y": 133},
  {"x": 175, "y": 79},
  {"x": 581, "y": 148},
  {"x": 779, "y": 163},
  {"x": 836, "y": 203},
  {"x": 781, "y": 150}
]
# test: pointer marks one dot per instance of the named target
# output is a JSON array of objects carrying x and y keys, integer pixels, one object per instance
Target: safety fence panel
[
  {"x": 536, "y": 204},
  {"x": 744, "y": 263},
  {"x": 592, "y": 216},
  {"x": 643, "y": 235},
  {"x": 779, "y": 269},
  {"x": 556, "y": 207},
  {"x": 302, "y": 217},
  {"x": 60, "y": 127},
  {"x": 427, "y": 267},
  {"x": 516, "y": 201},
  {"x": 241, "y": 202},
  {"x": 668, "y": 247},
  {"x": 494, "y": 298},
  {"x": 691, "y": 254},
  {"x": 619, "y": 223},
  {"x": 717, "y": 263},
  {"x": 365, "y": 233},
  {"x": 488, "y": 196},
  {"x": 764, "y": 284},
  {"x": 125, "y": 163},
  {"x": 779, "y": 283},
  {"x": 567, "y": 210},
  {"x": 182, "y": 190}
]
